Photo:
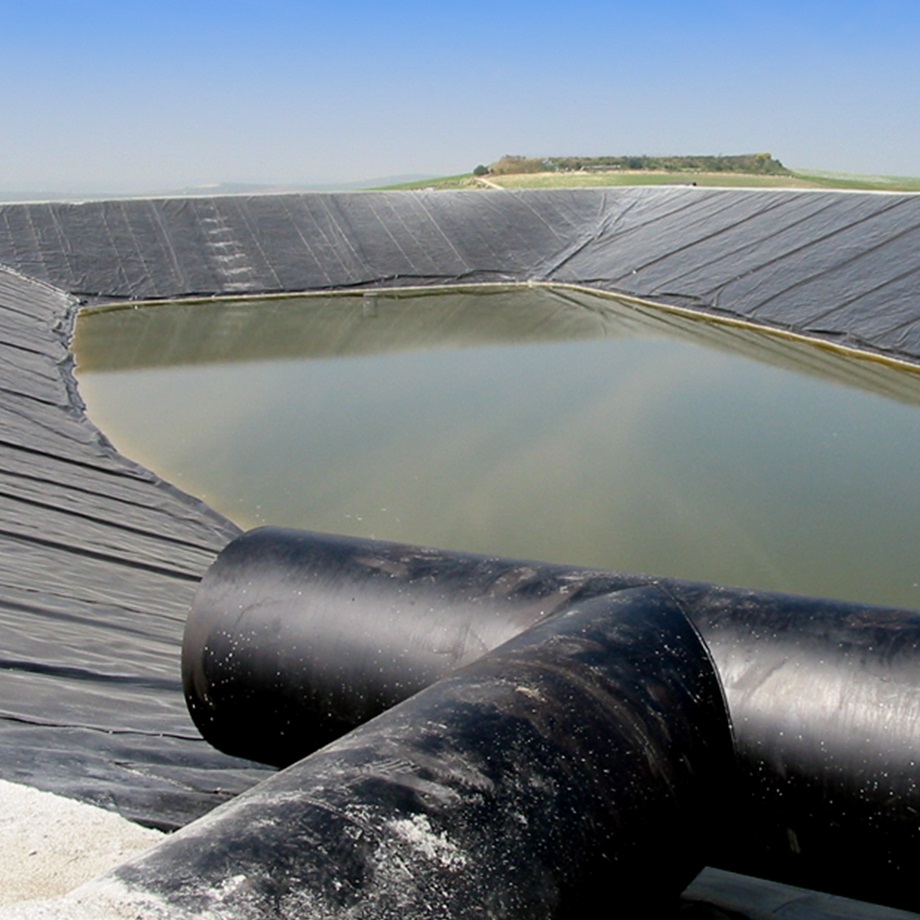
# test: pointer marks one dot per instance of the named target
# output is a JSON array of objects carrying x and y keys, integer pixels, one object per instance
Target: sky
[{"x": 140, "y": 95}]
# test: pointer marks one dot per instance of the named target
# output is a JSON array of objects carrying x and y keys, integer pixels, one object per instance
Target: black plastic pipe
[
  {"x": 585, "y": 756},
  {"x": 295, "y": 637}
]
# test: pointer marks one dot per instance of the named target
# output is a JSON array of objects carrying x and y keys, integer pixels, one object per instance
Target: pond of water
[{"x": 536, "y": 423}]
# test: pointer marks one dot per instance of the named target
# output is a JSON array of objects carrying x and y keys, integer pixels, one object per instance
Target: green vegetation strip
[{"x": 595, "y": 177}]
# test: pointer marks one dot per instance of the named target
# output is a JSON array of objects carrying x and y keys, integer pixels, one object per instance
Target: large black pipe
[
  {"x": 296, "y": 637},
  {"x": 585, "y": 756}
]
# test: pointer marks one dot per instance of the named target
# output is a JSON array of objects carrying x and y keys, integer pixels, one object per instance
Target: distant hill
[
  {"x": 753, "y": 170},
  {"x": 751, "y": 163},
  {"x": 212, "y": 190}
]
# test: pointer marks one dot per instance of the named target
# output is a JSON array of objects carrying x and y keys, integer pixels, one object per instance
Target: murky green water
[{"x": 538, "y": 424}]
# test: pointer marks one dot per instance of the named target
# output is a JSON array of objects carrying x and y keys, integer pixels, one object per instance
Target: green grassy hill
[{"x": 655, "y": 173}]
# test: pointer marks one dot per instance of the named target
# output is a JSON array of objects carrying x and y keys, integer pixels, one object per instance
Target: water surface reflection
[{"x": 542, "y": 424}]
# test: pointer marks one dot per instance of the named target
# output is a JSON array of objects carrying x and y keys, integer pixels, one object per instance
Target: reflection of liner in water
[
  {"x": 323, "y": 326},
  {"x": 295, "y": 638},
  {"x": 690, "y": 433}
]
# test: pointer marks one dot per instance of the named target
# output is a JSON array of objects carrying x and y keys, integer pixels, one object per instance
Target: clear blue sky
[{"x": 144, "y": 94}]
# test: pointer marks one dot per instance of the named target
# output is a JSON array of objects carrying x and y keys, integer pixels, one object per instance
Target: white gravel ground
[{"x": 49, "y": 845}]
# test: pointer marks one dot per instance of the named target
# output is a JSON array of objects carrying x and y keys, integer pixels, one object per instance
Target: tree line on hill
[{"x": 761, "y": 163}]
